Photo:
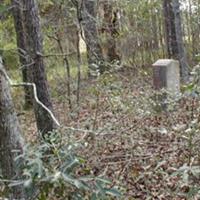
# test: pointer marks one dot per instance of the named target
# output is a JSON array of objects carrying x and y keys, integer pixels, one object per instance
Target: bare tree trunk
[
  {"x": 77, "y": 45},
  {"x": 170, "y": 31},
  {"x": 155, "y": 40},
  {"x": 35, "y": 49},
  {"x": 11, "y": 142},
  {"x": 174, "y": 35},
  {"x": 21, "y": 45},
  {"x": 179, "y": 37},
  {"x": 78, "y": 66},
  {"x": 193, "y": 32},
  {"x": 111, "y": 31},
  {"x": 94, "y": 51},
  {"x": 67, "y": 67},
  {"x": 198, "y": 27}
]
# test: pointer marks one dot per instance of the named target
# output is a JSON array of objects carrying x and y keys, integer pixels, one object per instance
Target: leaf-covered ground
[{"x": 148, "y": 153}]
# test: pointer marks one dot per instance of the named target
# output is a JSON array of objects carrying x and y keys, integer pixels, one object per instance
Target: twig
[
  {"x": 56, "y": 55},
  {"x": 34, "y": 92},
  {"x": 28, "y": 65},
  {"x": 41, "y": 104},
  {"x": 67, "y": 67},
  {"x": 37, "y": 100}
]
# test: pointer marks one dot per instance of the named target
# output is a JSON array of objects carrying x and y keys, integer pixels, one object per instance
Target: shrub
[{"x": 53, "y": 169}]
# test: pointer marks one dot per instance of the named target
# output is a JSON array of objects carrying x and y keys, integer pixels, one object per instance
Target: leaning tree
[{"x": 11, "y": 142}]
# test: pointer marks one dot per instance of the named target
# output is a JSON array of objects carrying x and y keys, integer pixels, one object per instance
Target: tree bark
[
  {"x": 111, "y": 31},
  {"x": 179, "y": 36},
  {"x": 94, "y": 51},
  {"x": 35, "y": 50},
  {"x": 171, "y": 41},
  {"x": 21, "y": 46},
  {"x": 174, "y": 35},
  {"x": 11, "y": 142}
]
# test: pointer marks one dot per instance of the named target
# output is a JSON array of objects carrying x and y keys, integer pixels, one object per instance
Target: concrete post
[{"x": 166, "y": 74}]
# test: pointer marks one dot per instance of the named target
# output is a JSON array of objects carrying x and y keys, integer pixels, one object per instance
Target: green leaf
[
  {"x": 113, "y": 192},
  {"x": 189, "y": 87},
  {"x": 94, "y": 196},
  {"x": 68, "y": 179},
  {"x": 68, "y": 167},
  {"x": 86, "y": 178},
  {"x": 16, "y": 183},
  {"x": 42, "y": 196},
  {"x": 193, "y": 191},
  {"x": 103, "y": 180},
  {"x": 102, "y": 191}
]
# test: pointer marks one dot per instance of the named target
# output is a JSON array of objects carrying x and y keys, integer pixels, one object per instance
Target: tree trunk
[
  {"x": 174, "y": 35},
  {"x": 79, "y": 62},
  {"x": 11, "y": 142},
  {"x": 111, "y": 31},
  {"x": 179, "y": 37},
  {"x": 35, "y": 49},
  {"x": 21, "y": 45},
  {"x": 94, "y": 51},
  {"x": 154, "y": 25},
  {"x": 171, "y": 42}
]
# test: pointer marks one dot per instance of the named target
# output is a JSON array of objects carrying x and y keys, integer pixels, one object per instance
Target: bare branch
[
  {"x": 56, "y": 55},
  {"x": 34, "y": 92}
]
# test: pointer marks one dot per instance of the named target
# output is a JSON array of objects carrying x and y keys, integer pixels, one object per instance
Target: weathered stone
[{"x": 166, "y": 74}]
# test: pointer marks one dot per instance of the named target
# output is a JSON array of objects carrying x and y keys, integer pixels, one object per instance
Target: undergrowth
[{"x": 149, "y": 153}]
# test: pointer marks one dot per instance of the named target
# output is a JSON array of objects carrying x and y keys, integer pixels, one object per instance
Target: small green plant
[
  {"x": 53, "y": 169},
  {"x": 189, "y": 172}
]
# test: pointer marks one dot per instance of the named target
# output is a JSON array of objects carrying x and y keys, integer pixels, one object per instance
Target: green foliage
[
  {"x": 189, "y": 172},
  {"x": 189, "y": 175},
  {"x": 54, "y": 168},
  {"x": 8, "y": 47},
  {"x": 10, "y": 57},
  {"x": 3, "y": 8}
]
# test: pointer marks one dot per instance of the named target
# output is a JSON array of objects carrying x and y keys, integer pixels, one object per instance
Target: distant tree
[
  {"x": 17, "y": 12},
  {"x": 11, "y": 142},
  {"x": 94, "y": 51},
  {"x": 35, "y": 50},
  {"x": 110, "y": 29},
  {"x": 172, "y": 47},
  {"x": 174, "y": 35}
]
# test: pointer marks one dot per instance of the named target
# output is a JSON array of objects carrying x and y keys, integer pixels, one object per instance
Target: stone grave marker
[{"x": 166, "y": 74}]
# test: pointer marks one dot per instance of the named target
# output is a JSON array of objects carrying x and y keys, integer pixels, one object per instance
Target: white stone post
[{"x": 166, "y": 74}]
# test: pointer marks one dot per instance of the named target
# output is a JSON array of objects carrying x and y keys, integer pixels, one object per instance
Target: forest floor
[{"x": 147, "y": 152}]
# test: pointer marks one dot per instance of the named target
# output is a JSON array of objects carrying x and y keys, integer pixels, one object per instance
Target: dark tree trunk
[
  {"x": 21, "y": 45},
  {"x": 111, "y": 30},
  {"x": 172, "y": 46},
  {"x": 174, "y": 35},
  {"x": 35, "y": 49},
  {"x": 11, "y": 142},
  {"x": 179, "y": 37},
  {"x": 94, "y": 51}
]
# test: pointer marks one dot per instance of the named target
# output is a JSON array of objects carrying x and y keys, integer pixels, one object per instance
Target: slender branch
[
  {"x": 28, "y": 65},
  {"x": 85, "y": 131},
  {"x": 67, "y": 67},
  {"x": 34, "y": 92},
  {"x": 56, "y": 55}
]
